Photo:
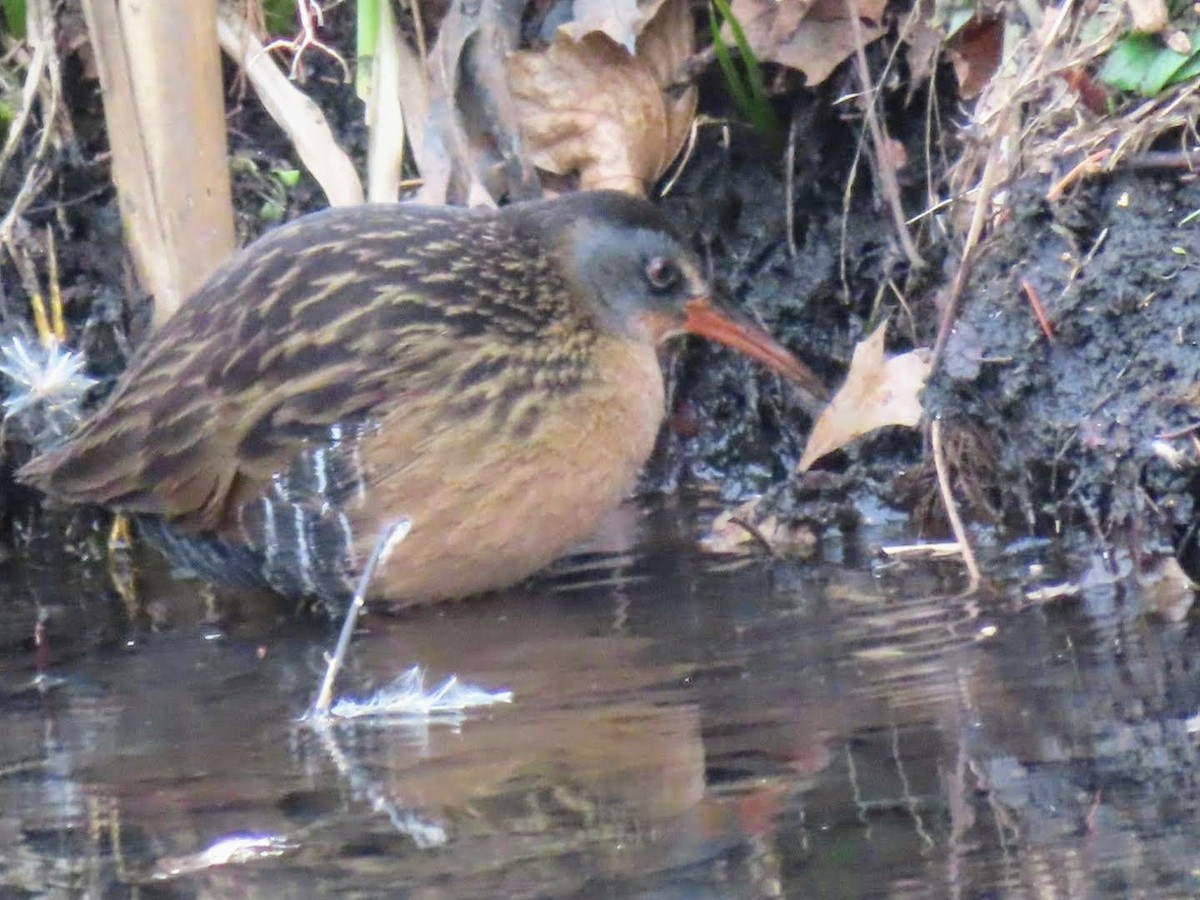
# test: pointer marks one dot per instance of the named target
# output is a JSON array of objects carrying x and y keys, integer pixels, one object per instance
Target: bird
[{"x": 490, "y": 374}]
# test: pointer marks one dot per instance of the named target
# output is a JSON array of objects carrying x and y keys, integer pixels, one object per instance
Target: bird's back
[
  {"x": 326, "y": 321},
  {"x": 338, "y": 372}
]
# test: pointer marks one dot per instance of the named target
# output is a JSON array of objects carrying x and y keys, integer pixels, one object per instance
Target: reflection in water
[{"x": 679, "y": 730}]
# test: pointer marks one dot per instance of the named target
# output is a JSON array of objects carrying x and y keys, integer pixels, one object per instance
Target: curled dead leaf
[
  {"x": 621, "y": 20},
  {"x": 585, "y": 106},
  {"x": 879, "y": 390},
  {"x": 589, "y": 107},
  {"x": 813, "y": 37},
  {"x": 745, "y": 529},
  {"x": 976, "y": 53},
  {"x": 1166, "y": 588}
]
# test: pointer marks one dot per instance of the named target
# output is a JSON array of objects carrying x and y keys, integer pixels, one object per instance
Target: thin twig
[
  {"x": 294, "y": 112},
  {"x": 1069, "y": 281},
  {"x": 1153, "y": 160},
  {"x": 789, "y": 190},
  {"x": 1090, "y": 165},
  {"x": 987, "y": 187},
  {"x": 685, "y": 156},
  {"x": 311, "y": 18},
  {"x": 888, "y": 182},
  {"x": 1179, "y": 432},
  {"x": 385, "y": 541},
  {"x": 956, "y": 525},
  {"x": 47, "y": 65},
  {"x": 1039, "y": 311}
]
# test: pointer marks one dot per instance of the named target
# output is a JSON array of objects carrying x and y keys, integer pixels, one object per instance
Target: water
[{"x": 681, "y": 728}]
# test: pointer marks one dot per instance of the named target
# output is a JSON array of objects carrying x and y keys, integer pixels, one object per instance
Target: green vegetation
[
  {"x": 279, "y": 16},
  {"x": 14, "y": 17},
  {"x": 275, "y": 193},
  {"x": 746, "y": 85},
  {"x": 367, "y": 37},
  {"x": 1143, "y": 64}
]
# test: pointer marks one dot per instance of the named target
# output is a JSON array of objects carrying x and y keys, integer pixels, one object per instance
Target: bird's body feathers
[
  {"x": 491, "y": 375},
  {"x": 337, "y": 374}
]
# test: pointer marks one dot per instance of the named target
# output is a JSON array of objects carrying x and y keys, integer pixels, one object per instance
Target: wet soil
[
  {"x": 1077, "y": 424},
  {"x": 1089, "y": 426},
  {"x": 818, "y": 288}
]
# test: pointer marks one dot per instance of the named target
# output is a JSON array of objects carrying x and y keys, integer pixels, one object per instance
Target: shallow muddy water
[{"x": 680, "y": 728}]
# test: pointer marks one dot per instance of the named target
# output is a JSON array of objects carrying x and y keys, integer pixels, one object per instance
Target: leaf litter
[{"x": 879, "y": 390}]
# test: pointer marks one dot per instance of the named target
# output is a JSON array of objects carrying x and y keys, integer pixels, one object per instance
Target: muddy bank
[
  {"x": 821, "y": 288},
  {"x": 1086, "y": 422}
]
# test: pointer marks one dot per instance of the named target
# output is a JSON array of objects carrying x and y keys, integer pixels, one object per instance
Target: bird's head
[{"x": 643, "y": 283}]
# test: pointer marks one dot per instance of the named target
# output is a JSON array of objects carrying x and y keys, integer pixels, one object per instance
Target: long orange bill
[{"x": 707, "y": 321}]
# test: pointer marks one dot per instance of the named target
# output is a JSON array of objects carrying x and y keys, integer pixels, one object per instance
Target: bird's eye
[{"x": 662, "y": 274}]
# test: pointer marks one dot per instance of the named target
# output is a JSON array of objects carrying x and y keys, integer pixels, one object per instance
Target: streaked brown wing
[{"x": 319, "y": 324}]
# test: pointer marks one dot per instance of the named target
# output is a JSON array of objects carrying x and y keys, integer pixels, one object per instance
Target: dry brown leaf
[
  {"x": 664, "y": 46},
  {"x": 975, "y": 52},
  {"x": 744, "y": 529},
  {"x": 587, "y": 106},
  {"x": 1149, "y": 16},
  {"x": 813, "y": 37},
  {"x": 879, "y": 390},
  {"x": 1166, "y": 589},
  {"x": 590, "y": 107},
  {"x": 621, "y": 20}
]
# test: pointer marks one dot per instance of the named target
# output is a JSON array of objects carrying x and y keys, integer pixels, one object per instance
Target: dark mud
[
  {"x": 1070, "y": 430},
  {"x": 1087, "y": 429},
  {"x": 819, "y": 291}
]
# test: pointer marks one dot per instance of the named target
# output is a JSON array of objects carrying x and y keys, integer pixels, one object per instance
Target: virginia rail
[{"x": 491, "y": 374}]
